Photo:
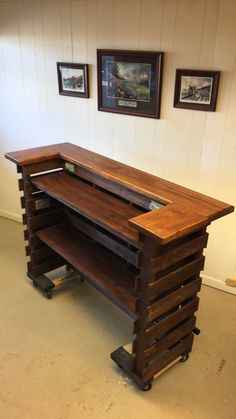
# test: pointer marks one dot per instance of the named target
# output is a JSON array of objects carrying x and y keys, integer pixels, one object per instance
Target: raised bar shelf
[{"x": 105, "y": 210}]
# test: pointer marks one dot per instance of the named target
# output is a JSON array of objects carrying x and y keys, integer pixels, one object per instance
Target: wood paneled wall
[{"x": 193, "y": 148}]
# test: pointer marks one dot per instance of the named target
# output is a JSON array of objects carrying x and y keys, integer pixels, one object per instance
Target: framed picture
[
  {"x": 73, "y": 79},
  {"x": 129, "y": 82},
  {"x": 196, "y": 89}
]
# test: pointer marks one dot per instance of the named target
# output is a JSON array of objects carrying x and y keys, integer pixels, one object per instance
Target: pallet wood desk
[{"x": 135, "y": 237}]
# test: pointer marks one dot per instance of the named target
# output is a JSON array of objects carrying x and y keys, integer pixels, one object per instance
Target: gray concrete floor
[{"x": 55, "y": 355}]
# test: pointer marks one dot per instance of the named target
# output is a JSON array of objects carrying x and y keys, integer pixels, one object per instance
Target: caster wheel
[
  {"x": 184, "y": 358},
  {"x": 35, "y": 284},
  {"x": 68, "y": 268},
  {"x": 48, "y": 295},
  {"x": 196, "y": 331},
  {"x": 147, "y": 387}
]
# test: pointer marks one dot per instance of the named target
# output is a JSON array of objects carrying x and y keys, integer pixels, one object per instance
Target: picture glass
[
  {"x": 72, "y": 79},
  {"x": 196, "y": 89},
  {"x": 131, "y": 81}
]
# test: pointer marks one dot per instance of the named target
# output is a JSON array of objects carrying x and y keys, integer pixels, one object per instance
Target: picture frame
[
  {"x": 129, "y": 82},
  {"x": 73, "y": 79},
  {"x": 196, "y": 89}
]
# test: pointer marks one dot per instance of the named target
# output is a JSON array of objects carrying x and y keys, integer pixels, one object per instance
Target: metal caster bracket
[{"x": 47, "y": 285}]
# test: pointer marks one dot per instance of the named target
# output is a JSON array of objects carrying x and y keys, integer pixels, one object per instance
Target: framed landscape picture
[
  {"x": 196, "y": 89},
  {"x": 73, "y": 79},
  {"x": 129, "y": 82}
]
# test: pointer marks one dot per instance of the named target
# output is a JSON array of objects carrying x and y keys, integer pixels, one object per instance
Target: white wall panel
[{"x": 196, "y": 149}]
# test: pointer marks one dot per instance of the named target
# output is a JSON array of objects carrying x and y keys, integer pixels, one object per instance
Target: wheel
[
  {"x": 35, "y": 284},
  {"x": 196, "y": 331},
  {"x": 49, "y": 294},
  {"x": 184, "y": 358},
  {"x": 147, "y": 387},
  {"x": 68, "y": 268}
]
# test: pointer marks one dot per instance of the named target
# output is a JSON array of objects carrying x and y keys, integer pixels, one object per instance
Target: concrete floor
[{"x": 55, "y": 355}]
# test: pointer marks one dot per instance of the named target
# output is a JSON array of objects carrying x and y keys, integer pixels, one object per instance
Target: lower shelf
[{"x": 103, "y": 269}]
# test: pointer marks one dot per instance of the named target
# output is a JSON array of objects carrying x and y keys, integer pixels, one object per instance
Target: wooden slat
[
  {"x": 172, "y": 256},
  {"x": 22, "y": 202},
  {"x": 102, "y": 238},
  {"x": 170, "y": 339},
  {"x": 24, "y": 219},
  {"x": 153, "y": 330},
  {"x": 41, "y": 201},
  {"x": 20, "y": 184},
  {"x": 167, "y": 357},
  {"x": 34, "y": 241},
  {"x": 172, "y": 320},
  {"x": 39, "y": 255},
  {"x": 27, "y": 250},
  {"x": 45, "y": 220},
  {"x": 47, "y": 266},
  {"x": 42, "y": 166},
  {"x": 105, "y": 210},
  {"x": 141, "y": 305},
  {"x": 26, "y": 235},
  {"x": 29, "y": 189},
  {"x": 173, "y": 299},
  {"x": 175, "y": 278},
  {"x": 113, "y": 187},
  {"x": 103, "y": 269}
]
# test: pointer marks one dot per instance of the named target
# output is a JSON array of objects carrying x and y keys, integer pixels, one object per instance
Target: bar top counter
[{"x": 183, "y": 210}]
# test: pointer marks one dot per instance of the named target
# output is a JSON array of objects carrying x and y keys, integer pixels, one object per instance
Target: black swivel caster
[
  {"x": 184, "y": 358},
  {"x": 48, "y": 294},
  {"x": 147, "y": 387},
  {"x": 35, "y": 284},
  {"x": 196, "y": 331}
]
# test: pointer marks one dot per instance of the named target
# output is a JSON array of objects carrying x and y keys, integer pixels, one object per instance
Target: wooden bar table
[{"x": 137, "y": 238}]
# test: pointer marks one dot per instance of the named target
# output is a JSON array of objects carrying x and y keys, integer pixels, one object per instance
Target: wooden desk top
[{"x": 184, "y": 211}]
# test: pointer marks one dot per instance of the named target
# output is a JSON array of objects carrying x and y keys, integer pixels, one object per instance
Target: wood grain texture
[
  {"x": 188, "y": 211},
  {"x": 105, "y": 271},
  {"x": 174, "y": 299},
  {"x": 107, "y": 211},
  {"x": 190, "y": 148}
]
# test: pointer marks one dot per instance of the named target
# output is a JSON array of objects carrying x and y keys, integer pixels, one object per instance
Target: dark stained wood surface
[
  {"x": 171, "y": 320},
  {"x": 176, "y": 277},
  {"x": 104, "y": 270},
  {"x": 185, "y": 210},
  {"x": 106, "y": 210},
  {"x": 170, "y": 339},
  {"x": 173, "y": 299},
  {"x": 183, "y": 347}
]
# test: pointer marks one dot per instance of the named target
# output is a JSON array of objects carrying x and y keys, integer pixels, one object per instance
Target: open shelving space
[
  {"x": 101, "y": 218},
  {"x": 106, "y": 210},
  {"x": 107, "y": 272}
]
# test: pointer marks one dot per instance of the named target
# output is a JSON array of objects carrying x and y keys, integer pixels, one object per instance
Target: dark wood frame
[
  {"x": 150, "y": 56},
  {"x": 196, "y": 73},
  {"x": 83, "y": 67}
]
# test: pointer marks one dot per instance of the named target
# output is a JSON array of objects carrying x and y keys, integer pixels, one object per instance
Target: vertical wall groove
[{"x": 196, "y": 149}]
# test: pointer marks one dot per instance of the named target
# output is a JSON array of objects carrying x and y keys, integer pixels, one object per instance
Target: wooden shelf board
[
  {"x": 106, "y": 210},
  {"x": 103, "y": 269}
]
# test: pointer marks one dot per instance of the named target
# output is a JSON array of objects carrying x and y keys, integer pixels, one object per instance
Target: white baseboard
[
  {"x": 217, "y": 283},
  {"x": 11, "y": 216}
]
